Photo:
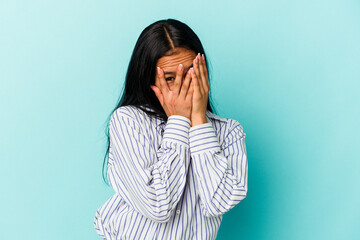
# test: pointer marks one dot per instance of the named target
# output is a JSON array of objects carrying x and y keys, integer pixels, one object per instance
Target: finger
[
  {"x": 190, "y": 92},
  {"x": 158, "y": 94},
  {"x": 196, "y": 63},
  {"x": 178, "y": 78},
  {"x": 163, "y": 84},
  {"x": 185, "y": 85},
  {"x": 206, "y": 71},
  {"x": 202, "y": 73},
  {"x": 195, "y": 81}
]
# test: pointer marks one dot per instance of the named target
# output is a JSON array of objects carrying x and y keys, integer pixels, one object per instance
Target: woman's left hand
[{"x": 200, "y": 81}]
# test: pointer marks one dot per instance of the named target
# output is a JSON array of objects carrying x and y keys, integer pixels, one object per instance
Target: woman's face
[{"x": 169, "y": 64}]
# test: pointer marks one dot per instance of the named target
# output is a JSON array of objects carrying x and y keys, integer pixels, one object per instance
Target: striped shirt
[{"x": 171, "y": 180}]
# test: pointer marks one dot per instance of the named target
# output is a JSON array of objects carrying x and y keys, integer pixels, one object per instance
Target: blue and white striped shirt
[{"x": 171, "y": 180}]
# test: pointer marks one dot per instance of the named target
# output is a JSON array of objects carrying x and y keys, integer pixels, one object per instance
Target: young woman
[{"x": 176, "y": 167}]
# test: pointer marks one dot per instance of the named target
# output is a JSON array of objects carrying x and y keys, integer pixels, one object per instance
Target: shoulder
[
  {"x": 226, "y": 125},
  {"x": 129, "y": 114},
  {"x": 126, "y": 113}
]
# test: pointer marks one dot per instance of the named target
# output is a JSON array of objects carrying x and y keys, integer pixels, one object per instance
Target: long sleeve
[
  {"x": 150, "y": 180},
  {"x": 220, "y": 171}
]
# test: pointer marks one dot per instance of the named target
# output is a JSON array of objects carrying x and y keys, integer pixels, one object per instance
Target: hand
[
  {"x": 200, "y": 82},
  {"x": 178, "y": 100}
]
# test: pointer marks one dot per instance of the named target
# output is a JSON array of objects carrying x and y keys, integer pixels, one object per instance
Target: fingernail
[
  {"x": 180, "y": 67},
  {"x": 158, "y": 70}
]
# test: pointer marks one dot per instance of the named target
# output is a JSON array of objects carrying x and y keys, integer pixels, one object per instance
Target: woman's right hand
[{"x": 178, "y": 99}]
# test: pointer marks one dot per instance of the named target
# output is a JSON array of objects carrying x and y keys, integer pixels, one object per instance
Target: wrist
[{"x": 198, "y": 120}]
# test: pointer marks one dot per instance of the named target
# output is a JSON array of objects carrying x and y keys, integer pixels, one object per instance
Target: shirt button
[
  {"x": 178, "y": 212},
  {"x": 200, "y": 179}
]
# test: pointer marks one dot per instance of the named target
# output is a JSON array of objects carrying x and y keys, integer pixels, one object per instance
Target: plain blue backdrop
[{"x": 288, "y": 71}]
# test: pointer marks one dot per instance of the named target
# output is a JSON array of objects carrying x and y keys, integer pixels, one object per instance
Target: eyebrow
[{"x": 175, "y": 72}]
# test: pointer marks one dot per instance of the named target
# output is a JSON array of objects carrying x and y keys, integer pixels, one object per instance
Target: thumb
[{"x": 157, "y": 93}]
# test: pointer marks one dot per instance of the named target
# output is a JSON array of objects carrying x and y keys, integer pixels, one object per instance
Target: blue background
[{"x": 288, "y": 71}]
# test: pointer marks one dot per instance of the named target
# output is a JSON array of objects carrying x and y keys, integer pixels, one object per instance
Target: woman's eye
[{"x": 168, "y": 79}]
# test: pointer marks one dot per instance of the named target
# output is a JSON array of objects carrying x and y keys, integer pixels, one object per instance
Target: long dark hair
[{"x": 152, "y": 44}]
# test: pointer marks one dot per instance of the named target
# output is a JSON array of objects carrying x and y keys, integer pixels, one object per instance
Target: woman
[{"x": 176, "y": 167}]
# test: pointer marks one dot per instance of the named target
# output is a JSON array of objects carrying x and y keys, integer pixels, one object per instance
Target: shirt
[{"x": 171, "y": 180}]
